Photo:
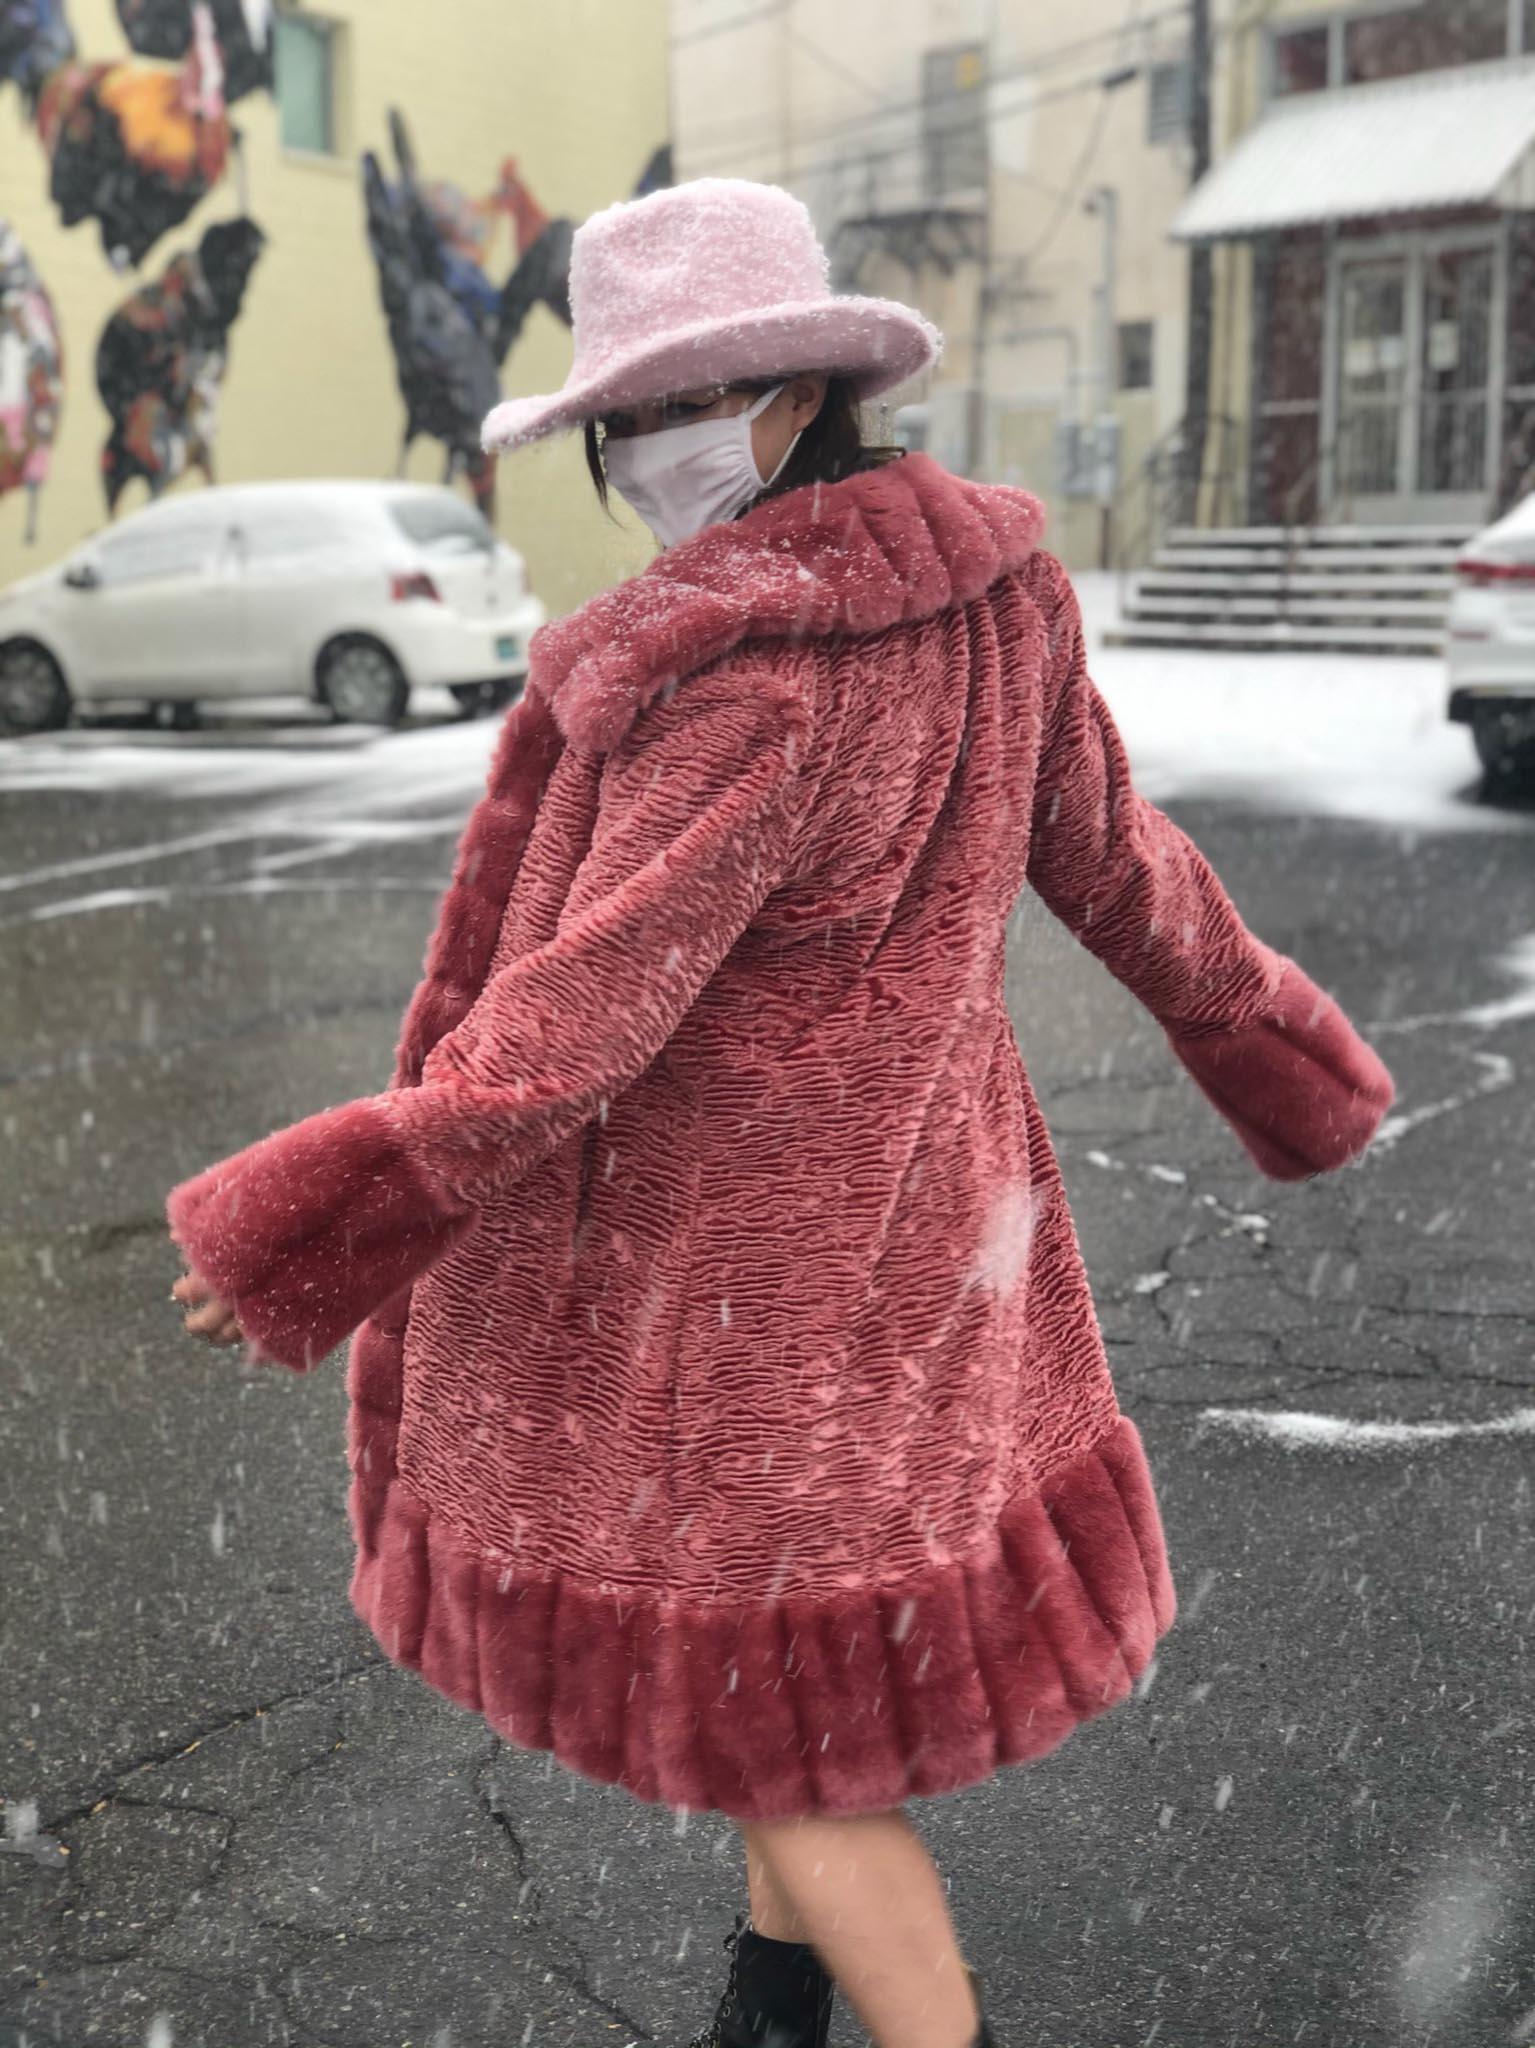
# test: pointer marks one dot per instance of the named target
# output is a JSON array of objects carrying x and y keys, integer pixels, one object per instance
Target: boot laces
[{"x": 713, "y": 2034}]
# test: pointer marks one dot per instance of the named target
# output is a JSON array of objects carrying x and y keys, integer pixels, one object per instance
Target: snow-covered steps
[
  {"x": 1366, "y": 589},
  {"x": 1274, "y": 636},
  {"x": 1447, "y": 535}
]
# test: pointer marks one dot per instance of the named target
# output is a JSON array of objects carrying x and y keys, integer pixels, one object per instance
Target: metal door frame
[{"x": 1413, "y": 506}]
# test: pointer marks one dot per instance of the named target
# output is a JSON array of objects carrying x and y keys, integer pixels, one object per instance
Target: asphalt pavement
[{"x": 230, "y": 1823}]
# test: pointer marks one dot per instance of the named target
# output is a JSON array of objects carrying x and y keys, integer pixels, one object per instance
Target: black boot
[{"x": 777, "y": 1995}]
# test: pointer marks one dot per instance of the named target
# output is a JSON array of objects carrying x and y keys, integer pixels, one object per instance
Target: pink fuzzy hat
[{"x": 705, "y": 283}]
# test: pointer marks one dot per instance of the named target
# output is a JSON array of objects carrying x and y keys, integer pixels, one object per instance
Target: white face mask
[{"x": 682, "y": 479}]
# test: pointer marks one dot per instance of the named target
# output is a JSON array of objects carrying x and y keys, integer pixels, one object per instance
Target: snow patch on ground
[
  {"x": 1518, "y": 963},
  {"x": 1496, "y": 1072},
  {"x": 1328, "y": 735},
  {"x": 1297, "y": 1430},
  {"x": 1334, "y": 735},
  {"x": 379, "y": 772}
]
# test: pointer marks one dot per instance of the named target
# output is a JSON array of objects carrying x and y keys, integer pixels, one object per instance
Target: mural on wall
[
  {"x": 442, "y": 355},
  {"x": 450, "y": 327},
  {"x": 165, "y": 28},
  {"x": 135, "y": 144},
  {"x": 34, "y": 40},
  {"x": 161, "y": 360},
  {"x": 31, "y": 375}
]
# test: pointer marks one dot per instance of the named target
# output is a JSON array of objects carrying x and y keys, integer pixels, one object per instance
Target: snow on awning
[{"x": 1441, "y": 139}]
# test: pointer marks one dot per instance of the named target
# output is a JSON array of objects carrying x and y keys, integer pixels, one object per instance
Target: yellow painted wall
[{"x": 576, "y": 92}]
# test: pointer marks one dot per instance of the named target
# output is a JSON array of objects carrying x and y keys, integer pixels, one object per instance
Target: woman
[{"x": 729, "y": 1414}]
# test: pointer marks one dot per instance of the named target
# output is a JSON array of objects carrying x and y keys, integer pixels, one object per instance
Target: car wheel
[
  {"x": 471, "y": 698},
  {"x": 175, "y": 716},
  {"x": 505, "y": 690},
  {"x": 362, "y": 683},
  {"x": 34, "y": 696},
  {"x": 1504, "y": 735}
]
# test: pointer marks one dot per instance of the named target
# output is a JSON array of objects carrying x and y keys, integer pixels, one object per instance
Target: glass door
[
  {"x": 1370, "y": 448},
  {"x": 1456, "y": 354},
  {"x": 1413, "y": 383}
]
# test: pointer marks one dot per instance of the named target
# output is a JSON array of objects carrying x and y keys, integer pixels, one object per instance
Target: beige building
[
  {"x": 186, "y": 277},
  {"x": 1013, "y": 170}
]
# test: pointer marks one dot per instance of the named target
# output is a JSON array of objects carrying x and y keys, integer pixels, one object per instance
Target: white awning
[{"x": 1442, "y": 139}]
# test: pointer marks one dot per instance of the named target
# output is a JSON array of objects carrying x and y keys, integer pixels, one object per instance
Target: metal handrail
[
  {"x": 1327, "y": 452},
  {"x": 1150, "y": 480},
  {"x": 1161, "y": 482}
]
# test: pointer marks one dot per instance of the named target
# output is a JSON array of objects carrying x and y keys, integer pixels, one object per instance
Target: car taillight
[
  {"x": 417, "y": 584},
  {"x": 1482, "y": 574}
]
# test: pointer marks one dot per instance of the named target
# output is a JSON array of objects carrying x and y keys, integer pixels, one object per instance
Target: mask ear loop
[
  {"x": 751, "y": 413},
  {"x": 777, "y": 473}
]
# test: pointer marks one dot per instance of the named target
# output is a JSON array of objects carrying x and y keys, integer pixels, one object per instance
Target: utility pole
[
  {"x": 1201, "y": 312},
  {"x": 1104, "y": 201},
  {"x": 785, "y": 93},
  {"x": 975, "y": 414},
  {"x": 976, "y": 421}
]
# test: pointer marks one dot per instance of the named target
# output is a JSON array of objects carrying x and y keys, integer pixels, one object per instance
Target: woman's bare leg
[
  {"x": 772, "y": 1910},
  {"x": 863, "y": 1891}
]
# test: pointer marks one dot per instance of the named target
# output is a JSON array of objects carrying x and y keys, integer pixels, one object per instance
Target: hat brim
[{"x": 877, "y": 343}]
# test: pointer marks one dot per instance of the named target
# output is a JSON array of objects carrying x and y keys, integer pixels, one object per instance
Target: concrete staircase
[{"x": 1367, "y": 590}]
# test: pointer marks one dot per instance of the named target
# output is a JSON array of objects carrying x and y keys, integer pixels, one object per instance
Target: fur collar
[{"x": 884, "y": 547}]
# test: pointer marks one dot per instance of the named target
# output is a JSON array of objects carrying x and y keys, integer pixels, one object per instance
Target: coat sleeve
[
  {"x": 1270, "y": 1049},
  {"x": 308, "y": 1231}
]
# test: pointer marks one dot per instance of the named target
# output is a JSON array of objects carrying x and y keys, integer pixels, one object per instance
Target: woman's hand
[{"x": 208, "y": 1315}]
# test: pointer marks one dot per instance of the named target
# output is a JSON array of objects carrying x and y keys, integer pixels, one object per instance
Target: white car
[
  {"x": 345, "y": 594},
  {"x": 1491, "y": 644}
]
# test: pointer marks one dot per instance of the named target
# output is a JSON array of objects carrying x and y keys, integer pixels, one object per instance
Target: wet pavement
[{"x": 1314, "y": 1823}]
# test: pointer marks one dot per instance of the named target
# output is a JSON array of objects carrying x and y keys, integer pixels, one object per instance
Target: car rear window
[{"x": 441, "y": 523}]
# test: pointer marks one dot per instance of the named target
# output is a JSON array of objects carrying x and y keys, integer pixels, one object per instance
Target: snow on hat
[{"x": 710, "y": 282}]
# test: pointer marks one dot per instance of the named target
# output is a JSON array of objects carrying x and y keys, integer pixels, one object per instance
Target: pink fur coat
[{"x": 729, "y": 1412}]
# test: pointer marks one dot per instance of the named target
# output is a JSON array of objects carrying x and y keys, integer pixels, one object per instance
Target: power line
[
  {"x": 865, "y": 159},
  {"x": 735, "y": 21},
  {"x": 1072, "y": 191},
  {"x": 1041, "y": 61},
  {"x": 1090, "y": 146},
  {"x": 833, "y": 64}
]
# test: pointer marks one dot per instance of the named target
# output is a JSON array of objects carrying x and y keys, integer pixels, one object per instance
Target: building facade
[
  {"x": 1015, "y": 172},
  {"x": 1372, "y": 208},
  {"x": 242, "y": 240}
]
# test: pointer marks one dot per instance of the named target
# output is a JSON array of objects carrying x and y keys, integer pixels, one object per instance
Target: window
[
  {"x": 954, "y": 127},
  {"x": 442, "y": 522},
  {"x": 273, "y": 532},
  {"x": 156, "y": 551},
  {"x": 1135, "y": 355},
  {"x": 305, "y": 51},
  {"x": 1426, "y": 37},
  {"x": 1300, "y": 61},
  {"x": 1362, "y": 45},
  {"x": 1169, "y": 93}
]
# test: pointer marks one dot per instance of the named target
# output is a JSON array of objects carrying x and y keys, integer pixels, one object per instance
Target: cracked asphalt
[{"x": 231, "y": 1824}]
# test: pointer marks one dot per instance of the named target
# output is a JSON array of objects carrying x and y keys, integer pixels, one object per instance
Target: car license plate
[{"x": 507, "y": 648}]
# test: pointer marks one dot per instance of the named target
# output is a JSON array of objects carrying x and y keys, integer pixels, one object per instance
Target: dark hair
[{"x": 831, "y": 447}]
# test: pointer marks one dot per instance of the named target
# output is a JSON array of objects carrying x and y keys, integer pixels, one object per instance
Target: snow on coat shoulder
[{"x": 729, "y": 1411}]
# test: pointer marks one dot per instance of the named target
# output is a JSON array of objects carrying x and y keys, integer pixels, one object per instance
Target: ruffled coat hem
[{"x": 788, "y": 1707}]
